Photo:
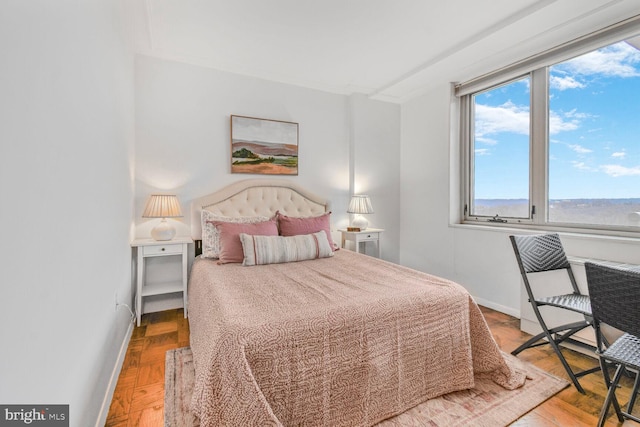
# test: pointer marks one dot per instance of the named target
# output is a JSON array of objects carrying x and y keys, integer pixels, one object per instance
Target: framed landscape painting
[{"x": 263, "y": 146}]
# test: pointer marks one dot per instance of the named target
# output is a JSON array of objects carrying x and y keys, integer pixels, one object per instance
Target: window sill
[{"x": 612, "y": 236}]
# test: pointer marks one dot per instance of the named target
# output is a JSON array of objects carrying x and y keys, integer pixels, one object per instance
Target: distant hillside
[
  {"x": 503, "y": 202},
  {"x": 500, "y": 202},
  {"x": 265, "y": 148},
  {"x": 621, "y": 212}
]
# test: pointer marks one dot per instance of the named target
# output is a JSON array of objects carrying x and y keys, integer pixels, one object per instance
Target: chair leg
[
  {"x": 634, "y": 393},
  {"x": 561, "y": 333},
  {"x": 528, "y": 343},
  {"x": 611, "y": 397},
  {"x": 567, "y": 368},
  {"x": 607, "y": 382}
]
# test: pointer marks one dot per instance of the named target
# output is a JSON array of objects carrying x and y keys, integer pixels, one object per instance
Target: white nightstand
[
  {"x": 149, "y": 248},
  {"x": 368, "y": 235}
]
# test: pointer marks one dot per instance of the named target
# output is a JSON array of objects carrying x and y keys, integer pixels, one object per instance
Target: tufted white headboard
[{"x": 253, "y": 197}]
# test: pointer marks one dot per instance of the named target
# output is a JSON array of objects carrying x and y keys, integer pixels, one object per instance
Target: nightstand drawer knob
[
  {"x": 368, "y": 236},
  {"x": 162, "y": 249}
]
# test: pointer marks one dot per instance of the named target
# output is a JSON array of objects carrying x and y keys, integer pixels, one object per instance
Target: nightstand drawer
[
  {"x": 161, "y": 250},
  {"x": 365, "y": 237}
]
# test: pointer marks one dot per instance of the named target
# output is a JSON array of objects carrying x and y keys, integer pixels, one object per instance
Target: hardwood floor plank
[
  {"x": 148, "y": 417},
  {"x": 161, "y": 328},
  {"x": 120, "y": 403},
  {"x": 127, "y": 378},
  {"x": 147, "y": 396},
  {"x": 156, "y": 355},
  {"x": 150, "y": 373},
  {"x": 131, "y": 359},
  {"x": 534, "y": 419},
  {"x": 122, "y": 421},
  {"x": 165, "y": 341},
  {"x": 562, "y": 413}
]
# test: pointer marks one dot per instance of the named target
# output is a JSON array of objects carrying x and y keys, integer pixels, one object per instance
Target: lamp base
[
  {"x": 163, "y": 231},
  {"x": 360, "y": 222}
]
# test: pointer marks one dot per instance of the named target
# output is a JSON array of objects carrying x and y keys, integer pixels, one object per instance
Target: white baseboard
[
  {"x": 501, "y": 308},
  {"x": 106, "y": 403}
]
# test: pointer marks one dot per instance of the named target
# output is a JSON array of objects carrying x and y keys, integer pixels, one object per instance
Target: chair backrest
[
  {"x": 615, "y": 296},
  {"x": 539, "y": 252}
]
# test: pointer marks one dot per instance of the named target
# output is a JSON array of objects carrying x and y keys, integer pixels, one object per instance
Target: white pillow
[
  {"x": 260, "y": 250},
  {"x": 211, "y": 235}
]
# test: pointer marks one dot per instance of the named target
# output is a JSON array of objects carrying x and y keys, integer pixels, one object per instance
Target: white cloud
[
  {"x": 616, "y": 60},
  {"x": 485, "y": 141},
  {"x": 563, "y": 83},
  {"x": 558, "y": 124},
  {"x": 574, "y": 114},
  {"x": 507, "y": 117},
  {"x": 619, "y": 155},
  {"x": 482, "y": 152},
  {"x": 580, "y": 149},
  {"x": 617, "y": 170},
  {"x": 582, "y": 166}
]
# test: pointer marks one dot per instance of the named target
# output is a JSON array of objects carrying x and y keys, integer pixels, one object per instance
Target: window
[
  {"x": 501, "y": 151},
  {"x": 594, "y": 137},
  {"x": 559, "y": 143}
]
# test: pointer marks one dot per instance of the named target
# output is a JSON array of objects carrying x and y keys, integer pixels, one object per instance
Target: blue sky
[{"x": 594, "y": 130}]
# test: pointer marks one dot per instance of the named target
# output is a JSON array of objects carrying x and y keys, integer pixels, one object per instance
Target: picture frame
[{"x": 264, "y": 146}]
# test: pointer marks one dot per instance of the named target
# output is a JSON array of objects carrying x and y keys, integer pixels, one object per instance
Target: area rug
[{"x": 485, "y": 405}]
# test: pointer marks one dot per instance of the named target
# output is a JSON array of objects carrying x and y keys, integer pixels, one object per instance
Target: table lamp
[
  {"x": 359, "y": 205},
  {"x": 163, "y": 206}
]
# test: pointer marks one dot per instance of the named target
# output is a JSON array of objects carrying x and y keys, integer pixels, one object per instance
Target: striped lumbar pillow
[{"x": 259, "y": 250}]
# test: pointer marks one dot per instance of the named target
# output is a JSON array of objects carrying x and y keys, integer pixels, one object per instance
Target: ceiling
[{"x": 391, "y": 50}]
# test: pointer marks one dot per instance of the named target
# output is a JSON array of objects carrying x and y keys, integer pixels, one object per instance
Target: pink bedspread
[{"x": 344, "y": 341}]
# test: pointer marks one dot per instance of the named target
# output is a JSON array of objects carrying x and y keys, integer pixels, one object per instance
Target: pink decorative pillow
[
  {"x": 211, "y": 235},
  {"x": 230, "y": 244},
  {"x": 292, "y": 226}
]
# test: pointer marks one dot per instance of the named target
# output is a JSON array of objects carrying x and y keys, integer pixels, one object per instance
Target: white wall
[
  {"x": 183, "y": 141},
  {"x": 375, "y": 169},
  {"x": 66, "y": 150},
  {"x": 479, "y": 258}
]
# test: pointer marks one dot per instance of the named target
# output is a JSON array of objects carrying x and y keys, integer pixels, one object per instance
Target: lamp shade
[
  {"x": 360, "y": 205},
  {"x": 162, "y": 206}
]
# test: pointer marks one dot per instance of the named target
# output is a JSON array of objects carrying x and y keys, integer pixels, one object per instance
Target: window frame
[
  {"x": 469, "y": 148},
  {"x": 537, "y": 68}
]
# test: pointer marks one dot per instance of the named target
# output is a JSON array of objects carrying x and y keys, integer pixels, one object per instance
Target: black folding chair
[
  {"x": 615, "y": 301},
  {"x": 541, "y": 253}
]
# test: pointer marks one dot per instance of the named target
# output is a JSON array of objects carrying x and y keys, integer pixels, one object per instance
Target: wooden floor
[{"x": 139, "y": 396}]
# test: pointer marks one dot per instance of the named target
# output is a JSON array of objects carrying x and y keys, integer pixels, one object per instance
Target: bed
[{"x": 341, "y": 340}]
